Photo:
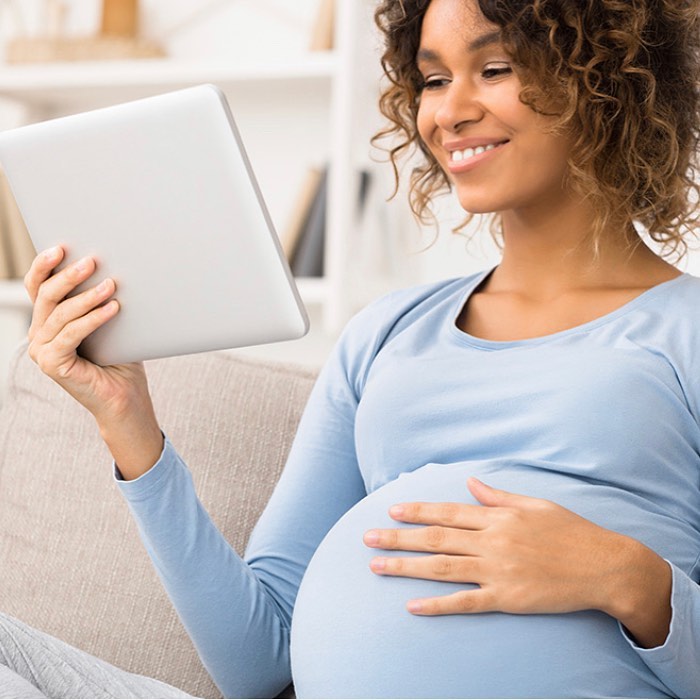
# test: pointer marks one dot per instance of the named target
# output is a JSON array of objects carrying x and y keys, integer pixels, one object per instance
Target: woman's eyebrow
[
  {"x": 480, "y": 42},
  {"x": 484, "y": 40}
]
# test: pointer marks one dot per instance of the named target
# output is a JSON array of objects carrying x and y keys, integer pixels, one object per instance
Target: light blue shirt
[{"x": 603, "y": 418}]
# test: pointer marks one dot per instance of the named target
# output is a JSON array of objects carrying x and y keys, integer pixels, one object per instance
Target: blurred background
[{"x": 302, "y": 79}]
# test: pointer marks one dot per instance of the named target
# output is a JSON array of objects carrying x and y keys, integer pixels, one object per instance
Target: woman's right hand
[{"x": 116, "y": 395}]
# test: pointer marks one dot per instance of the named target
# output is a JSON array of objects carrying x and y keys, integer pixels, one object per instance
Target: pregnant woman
[{"x": 495, "y": 488}]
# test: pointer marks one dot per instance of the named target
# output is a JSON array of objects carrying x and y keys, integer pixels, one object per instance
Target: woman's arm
[
  {"x": 237, "y": 629},
  {"x": 238, "y": 614},
  {"x": 238, "y": 611},
  {"x": 117, "y": 396},
  {"x": 639, "y": 597},
  {"x": 676, "y": 661}
]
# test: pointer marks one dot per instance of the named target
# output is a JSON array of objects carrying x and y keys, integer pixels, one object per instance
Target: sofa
[{"x": 72, "y": 563}]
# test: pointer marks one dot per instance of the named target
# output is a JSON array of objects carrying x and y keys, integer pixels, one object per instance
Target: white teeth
[{"x": 458, "y": 156}]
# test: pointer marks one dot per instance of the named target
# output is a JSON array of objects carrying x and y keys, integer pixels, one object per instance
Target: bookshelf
[
  {"x": 293, "y": 113},
  {"x": 62, "y": 86}
]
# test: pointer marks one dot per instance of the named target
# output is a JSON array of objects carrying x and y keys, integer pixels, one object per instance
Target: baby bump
[{"x": 353, "y": 637}]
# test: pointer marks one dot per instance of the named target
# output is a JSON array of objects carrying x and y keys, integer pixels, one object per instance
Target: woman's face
[{"x": 470, "y": 100}]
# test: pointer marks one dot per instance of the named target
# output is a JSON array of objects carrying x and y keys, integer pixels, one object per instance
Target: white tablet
[{"x": 161, "y": 193}]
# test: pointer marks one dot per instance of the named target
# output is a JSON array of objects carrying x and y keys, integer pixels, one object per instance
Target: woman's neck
[{"x": 547, "y": 252}]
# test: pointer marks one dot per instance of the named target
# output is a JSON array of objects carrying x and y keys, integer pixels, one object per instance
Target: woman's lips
[{"x": 468, "y": 164}]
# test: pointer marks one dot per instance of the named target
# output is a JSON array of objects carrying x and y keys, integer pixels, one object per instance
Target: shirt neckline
[{"x": 468, "y": 339}]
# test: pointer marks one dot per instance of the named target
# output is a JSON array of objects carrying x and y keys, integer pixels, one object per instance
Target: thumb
[{"x": 489, "y": 496}]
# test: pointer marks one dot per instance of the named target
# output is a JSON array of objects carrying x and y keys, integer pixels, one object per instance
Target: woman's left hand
[{"x": 527, "y": 555}]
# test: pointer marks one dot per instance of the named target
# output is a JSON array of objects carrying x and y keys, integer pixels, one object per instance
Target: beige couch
[{"x": 71, "y": 562}]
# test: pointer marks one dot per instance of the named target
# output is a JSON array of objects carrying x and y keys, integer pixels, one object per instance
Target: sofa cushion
[{"x": 71, "y": 560}]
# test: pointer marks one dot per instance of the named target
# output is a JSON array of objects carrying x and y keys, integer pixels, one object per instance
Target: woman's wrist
[
  {"x": 135, "y": 446},
  {"x": 640, "y": 595}
]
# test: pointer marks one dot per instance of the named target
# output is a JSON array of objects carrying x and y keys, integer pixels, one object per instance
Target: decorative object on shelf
[
  {"x": 120, "y": 18},
  {"x": 118, "y": 38},
  {"x": 16, "y": 249},
  {"x": 307, "y": 260},
  {"x": 323, "y": 28},
  {"x": 294, "y": 229}
]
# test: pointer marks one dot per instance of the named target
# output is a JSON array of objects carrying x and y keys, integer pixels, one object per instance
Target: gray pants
[{"x": 36, "y": 665}]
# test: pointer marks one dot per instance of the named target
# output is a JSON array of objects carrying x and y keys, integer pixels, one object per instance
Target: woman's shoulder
[
  {"x": 666, "y": 321},
  {"x": 688, "y": 285},
  {"x": 382, "y": 314},
  {"x": 370, "y": 328},
  {"x": 678, "y": 299}
]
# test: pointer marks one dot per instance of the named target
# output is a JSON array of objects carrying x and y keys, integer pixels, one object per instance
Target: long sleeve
[
  {"x": 237, "y": 628},
  {"x": 238, "y": 610},
  {"x": 677, "y": 662}
]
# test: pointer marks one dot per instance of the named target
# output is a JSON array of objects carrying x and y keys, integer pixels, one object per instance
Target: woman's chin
[{"x": 472, "y": 203}]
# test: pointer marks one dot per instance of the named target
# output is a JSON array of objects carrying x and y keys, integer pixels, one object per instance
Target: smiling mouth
[{"x": 469, "y": 153}]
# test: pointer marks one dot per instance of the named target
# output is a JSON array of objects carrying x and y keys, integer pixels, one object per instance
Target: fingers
[
  {"x": 73, "y": 308},
  {"x": 60, "y": 323},
  {"x": 440, "y": 567},
  {"x": 459, "y": 515},
  {"x": 489, "y": 496},
  {"x": 57, "y": 357},
  {"x": 470, "y": 601},
  {"x": 40, "y": 270},
  {"x": 51, "y": 289},
  {"x": 433, "y": 538}
]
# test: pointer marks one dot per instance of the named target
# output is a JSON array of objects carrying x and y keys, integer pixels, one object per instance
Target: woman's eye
[
  {"x": 433, "y": 83},
  {"x": 495, "y": 72}
]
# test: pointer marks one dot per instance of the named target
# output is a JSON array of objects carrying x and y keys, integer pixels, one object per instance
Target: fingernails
[
  {"x": 378, "y": 564},
  {"x": 51, "y": 253},
  {"x": 414, "y": 606},
  {"x": 81, "y": 265},
  {"x": 396, "y": 511},
  {"x": 103, "y": 286},
  {"x": 371, "y": 537}
]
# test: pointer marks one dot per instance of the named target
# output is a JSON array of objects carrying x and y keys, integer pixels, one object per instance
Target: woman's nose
[{"x": 458, "y": 105}]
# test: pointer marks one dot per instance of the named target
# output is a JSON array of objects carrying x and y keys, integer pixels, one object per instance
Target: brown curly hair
[{"x": 627, "y": 76}]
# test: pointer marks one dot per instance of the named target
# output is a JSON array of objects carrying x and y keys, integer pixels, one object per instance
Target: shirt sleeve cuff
[
  {"x": 680, "y": 594},
  {"x": 151, "y": 481}
]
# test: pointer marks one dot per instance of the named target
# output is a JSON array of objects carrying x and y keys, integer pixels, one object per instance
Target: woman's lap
[{"x": 34, "y": 664}]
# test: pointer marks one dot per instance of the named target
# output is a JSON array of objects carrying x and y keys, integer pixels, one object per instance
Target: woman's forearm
[
  {"x": 641, "y": 597},
  {"x": 135, "y": 443}
]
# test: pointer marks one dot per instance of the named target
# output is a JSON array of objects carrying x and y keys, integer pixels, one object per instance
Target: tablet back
[{"x": 161, "y": 192}]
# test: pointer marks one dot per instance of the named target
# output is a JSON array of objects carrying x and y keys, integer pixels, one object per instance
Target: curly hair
[{"x": 626, "y": 74}]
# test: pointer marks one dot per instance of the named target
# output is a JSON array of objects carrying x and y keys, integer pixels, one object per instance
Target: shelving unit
[
  {"x": 291, "y": 114},
  {"x": 62, "y": 86}
]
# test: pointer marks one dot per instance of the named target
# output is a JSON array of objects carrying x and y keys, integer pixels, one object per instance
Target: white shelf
[
  {"x": 13, "y": 295},
  {"x": 113, "y": 81}
]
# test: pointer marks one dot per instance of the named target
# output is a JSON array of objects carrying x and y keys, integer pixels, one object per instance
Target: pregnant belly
[{"x": 353, "y": 637}]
